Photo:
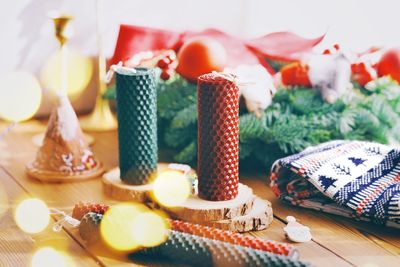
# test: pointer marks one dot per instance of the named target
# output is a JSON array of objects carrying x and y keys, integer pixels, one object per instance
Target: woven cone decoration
[{"x": 64, "y": 155}]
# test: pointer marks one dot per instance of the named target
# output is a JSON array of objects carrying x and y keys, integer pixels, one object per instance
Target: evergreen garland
[{"x": 297, "y": 118}]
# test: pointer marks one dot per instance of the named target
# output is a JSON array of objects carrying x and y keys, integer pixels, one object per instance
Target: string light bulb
[
  {"x": 32, "y": 215},
  {"x": 171, "y": 188},
  {"x": 116, "y": 226},
  {"x": 150, "y": 229},
  {"x": 50, "y": 257}
]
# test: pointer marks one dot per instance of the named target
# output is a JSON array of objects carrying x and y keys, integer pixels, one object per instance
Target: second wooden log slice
[{"x": 258, "y": 218}]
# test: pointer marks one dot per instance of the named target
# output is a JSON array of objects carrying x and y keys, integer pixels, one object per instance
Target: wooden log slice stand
[{"x": 245, "y": 213}]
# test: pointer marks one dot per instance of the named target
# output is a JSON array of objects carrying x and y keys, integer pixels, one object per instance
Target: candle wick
[
  {"x": 233, "y": 78},
  {"x": 120, "y": 69}
]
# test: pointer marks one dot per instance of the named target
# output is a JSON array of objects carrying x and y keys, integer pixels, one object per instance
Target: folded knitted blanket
[{"x": 350, "y": 178}]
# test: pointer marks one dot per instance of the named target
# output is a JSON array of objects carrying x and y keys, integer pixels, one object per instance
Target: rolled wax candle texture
[
  {"x": 194, "y": 250},
  {"x": 137, "y": 125},
  {"x": 218, "y": 137},
  {"x": 235, "y": 238}
]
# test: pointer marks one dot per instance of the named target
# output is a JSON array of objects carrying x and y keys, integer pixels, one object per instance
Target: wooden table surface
[{"x": 336, "y": 241}]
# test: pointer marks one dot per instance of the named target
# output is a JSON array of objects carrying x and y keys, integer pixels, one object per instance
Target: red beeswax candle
[{"x": 218, "y": 137}]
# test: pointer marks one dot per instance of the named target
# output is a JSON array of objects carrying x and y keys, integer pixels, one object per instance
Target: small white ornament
[{"x": 297, "y": 232}]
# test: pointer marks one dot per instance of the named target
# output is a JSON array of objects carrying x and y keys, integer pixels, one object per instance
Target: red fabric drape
[{"x": 283, "y": 46}]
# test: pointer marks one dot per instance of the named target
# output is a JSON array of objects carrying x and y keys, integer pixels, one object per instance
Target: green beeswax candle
[{"x": 137, "y": 124}]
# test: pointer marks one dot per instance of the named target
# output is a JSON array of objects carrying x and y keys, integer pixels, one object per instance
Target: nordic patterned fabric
[{"x": 350, "y": 178}]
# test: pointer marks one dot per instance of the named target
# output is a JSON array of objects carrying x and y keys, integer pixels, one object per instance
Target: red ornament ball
[
  {"x": 200, "y": 56},
  {"x": 389, "y": 64}
]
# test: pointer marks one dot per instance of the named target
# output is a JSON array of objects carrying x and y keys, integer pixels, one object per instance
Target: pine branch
[
  {"x": 290, "y": 133},
  {"x": 175, "y": 96},
  {"x": 185, "y": 117},
  {"x": 347, "y": 121},
  {"x": 179, "y": 138},
  {"x": 251, "y": 128},
  {"x": 188, "y": 154}
]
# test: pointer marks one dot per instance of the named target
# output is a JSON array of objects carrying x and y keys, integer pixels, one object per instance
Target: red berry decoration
[
  {"x": 81, "y": 209},
  {"x": 326, "y": 52},
  {"x": 166, "y": 74},
  {"x": 163, "y": 63},
  {"x": 336, "y": 46},
  {"x": 167, "y": 63}
]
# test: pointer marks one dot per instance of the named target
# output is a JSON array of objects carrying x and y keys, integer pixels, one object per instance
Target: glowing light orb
[
  {"x": 116, "y": 226},
  {"x": 171, "y": 188},
  {"x": 49, "y": 257},
  {"x": 20, "y": 96},
  {"x": 149, "y": 229},
  {"x": 32, "y": 215},
  {"x": 80, "y": 71}
]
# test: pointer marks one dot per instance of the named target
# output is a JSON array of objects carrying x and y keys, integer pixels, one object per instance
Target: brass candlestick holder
[
  {"x": 64, "y": 155},
  {"x": 63, "y": 32},
  {"x": 101, "y": 118}
]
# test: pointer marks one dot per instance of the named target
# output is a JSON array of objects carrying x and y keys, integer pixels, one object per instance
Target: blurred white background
[{"x": 27, "y": 33}]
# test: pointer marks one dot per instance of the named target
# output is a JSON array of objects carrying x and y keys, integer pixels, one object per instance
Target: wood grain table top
[{"x": 336, "y": 241}]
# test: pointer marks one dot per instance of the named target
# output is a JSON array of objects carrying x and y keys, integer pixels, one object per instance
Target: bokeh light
[
  {"x": 32, "y": 215},
  {"x": 128, "y": 226},
  {"x": 49, "y": 257},
  {"x": 116, "y": 226},
  {"x": 171, "y": 188},
  {"x": 80, "y": 71},
  {"x": 20, "y": 96},
  {"x": 150, "y": 229}
]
